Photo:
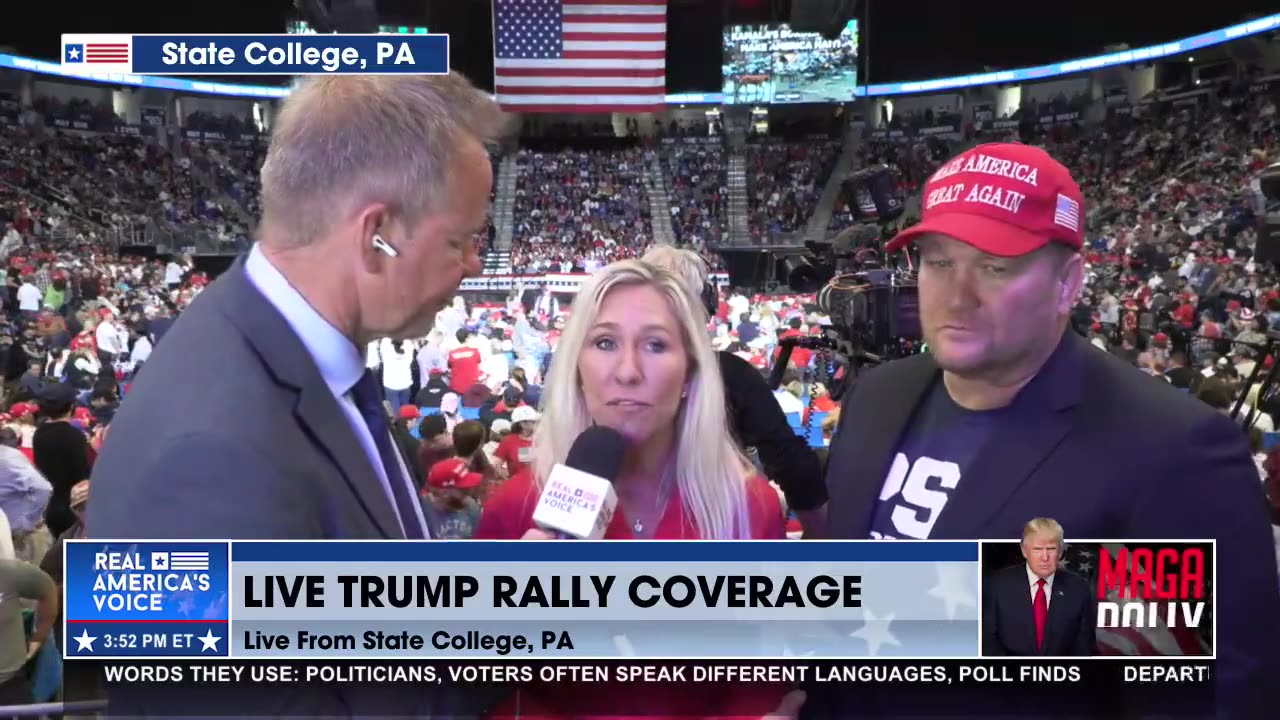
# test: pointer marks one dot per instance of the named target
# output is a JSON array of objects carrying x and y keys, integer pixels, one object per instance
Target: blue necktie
[{"x": 369, "y": 402}]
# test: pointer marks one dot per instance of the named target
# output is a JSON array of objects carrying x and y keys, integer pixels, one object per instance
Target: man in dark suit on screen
[
  {"x": 257, "y": 418},
  {"x": 1010, "y": 415},
  {"x": 1036, "y": 607}
]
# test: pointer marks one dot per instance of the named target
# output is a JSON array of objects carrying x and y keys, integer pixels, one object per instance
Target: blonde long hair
[{"x": 711, "y": 473}]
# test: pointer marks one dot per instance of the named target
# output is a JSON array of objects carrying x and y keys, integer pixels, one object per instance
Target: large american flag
[{"x": 580, "y": 55}]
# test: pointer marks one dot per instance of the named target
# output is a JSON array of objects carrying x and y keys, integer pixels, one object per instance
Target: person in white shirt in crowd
[
  {"x": 738, "y": 305},
  {"x": 173, "y": 272},
  {"x": 397, "y": 371},
  {"x": 29, "y": 297},
  {"x": 112, "y": 339},
  {"x": 140, "y": 351},
  {"x": 12, "y": 241}
]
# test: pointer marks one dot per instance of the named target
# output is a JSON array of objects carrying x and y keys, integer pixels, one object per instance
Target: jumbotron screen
[{"x": 770, "y": 63}]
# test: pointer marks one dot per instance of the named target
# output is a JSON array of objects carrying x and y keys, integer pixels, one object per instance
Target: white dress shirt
[
  {"x": 1032, "y": 578},
  {"x": 340, "y": 362}
]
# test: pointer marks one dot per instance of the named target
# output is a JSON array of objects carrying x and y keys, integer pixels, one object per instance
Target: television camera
[{"x": 874, "y": 309}]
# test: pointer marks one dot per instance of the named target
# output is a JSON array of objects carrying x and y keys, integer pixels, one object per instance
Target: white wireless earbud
[{"x": 382, "y": 246}]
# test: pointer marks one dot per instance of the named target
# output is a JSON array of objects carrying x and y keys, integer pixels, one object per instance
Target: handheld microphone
[{"x": 577, "y": 500}]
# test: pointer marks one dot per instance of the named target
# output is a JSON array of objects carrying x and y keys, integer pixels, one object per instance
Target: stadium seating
[{"x": 577, "y": 210}]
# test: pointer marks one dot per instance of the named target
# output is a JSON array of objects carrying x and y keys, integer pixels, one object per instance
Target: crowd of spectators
[
  {"x": 699, "y": 185},
  {"x": 88, "y": 186},
  {"x": 784, "y": 182},
  {"x": 577, "y": 210}
]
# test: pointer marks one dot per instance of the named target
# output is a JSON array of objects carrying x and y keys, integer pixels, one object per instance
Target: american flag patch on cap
[{"x": 1067, "y": 213}]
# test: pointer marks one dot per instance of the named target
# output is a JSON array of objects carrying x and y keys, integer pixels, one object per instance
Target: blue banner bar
[
  {"x": 147, "y": 639},
  {"x": 585, "y": 551},
  {"x": 290, "y": 54}
]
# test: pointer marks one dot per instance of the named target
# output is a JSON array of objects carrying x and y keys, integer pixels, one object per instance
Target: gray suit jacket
[{"x": 229, "y": 431}]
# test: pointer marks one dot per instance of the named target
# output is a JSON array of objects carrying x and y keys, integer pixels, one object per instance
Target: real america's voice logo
[
  {"x": 146, "y": 599},
  {"x": 140, "y": 582}
]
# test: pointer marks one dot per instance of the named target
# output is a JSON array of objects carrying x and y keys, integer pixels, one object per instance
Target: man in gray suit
[{"x": 257, "y": 418}]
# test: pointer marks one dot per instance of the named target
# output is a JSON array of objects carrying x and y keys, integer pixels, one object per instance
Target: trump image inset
[{"x": 1043, "y": 597}]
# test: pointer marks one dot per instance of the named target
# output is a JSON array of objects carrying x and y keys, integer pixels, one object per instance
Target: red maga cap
[{"x": 1005, "y": 199}]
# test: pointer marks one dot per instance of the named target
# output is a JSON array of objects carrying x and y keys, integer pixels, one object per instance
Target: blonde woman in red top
[{"x": 632, "y": 358}]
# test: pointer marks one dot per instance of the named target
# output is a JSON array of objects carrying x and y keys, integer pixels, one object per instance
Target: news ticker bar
[
  {"x": 577, "y": 600},
  {"x": 244, "y": 54},
  {"x": 1098, "y": 689}
]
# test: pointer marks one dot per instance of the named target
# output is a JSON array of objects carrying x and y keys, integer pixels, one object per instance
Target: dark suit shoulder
[
  {"x": 205, "y": 423},
  {"x": 1066, "y": 578},
  {"x": 206, "y": 378},
  {"x": 1011, "y": 576}
]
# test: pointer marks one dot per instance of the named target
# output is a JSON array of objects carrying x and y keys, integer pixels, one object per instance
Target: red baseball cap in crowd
[
  {"x": 1005, "y": 199},
  {"x": 453, "y": 473}
]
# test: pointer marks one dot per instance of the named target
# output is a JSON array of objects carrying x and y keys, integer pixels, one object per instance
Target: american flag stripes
[
  {"x": 1067, "y": 213},
  {"x": 106, "y": 52},
  {"x": 580, "y": 55}
]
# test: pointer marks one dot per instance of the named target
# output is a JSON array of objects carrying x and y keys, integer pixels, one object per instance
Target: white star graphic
[
  {"x": 624, "y": 646},
  {"x": 875, "y": 631},
  {"x": 208, "y": 641},
  {"x": 84, "y": 641},
  {"x": 954, "y": 588},
  {"x": 74, "y": 53}
]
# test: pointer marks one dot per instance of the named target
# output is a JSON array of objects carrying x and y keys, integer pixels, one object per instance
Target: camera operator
[{"x": 755, "y": 418}]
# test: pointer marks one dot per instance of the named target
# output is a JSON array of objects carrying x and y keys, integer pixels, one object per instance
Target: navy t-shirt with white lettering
[{"x": 932, "y": 457}]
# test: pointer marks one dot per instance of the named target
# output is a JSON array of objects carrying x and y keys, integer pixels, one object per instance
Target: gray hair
[
  {"x": 684, "y": 264},
  {"x": 340, "y": 142}
]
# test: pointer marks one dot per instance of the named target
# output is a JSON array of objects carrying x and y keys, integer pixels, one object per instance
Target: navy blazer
[
  {"x": 1109, "y": 452},
  {"x": 231, "y": 432},
  {"x": 1009, "y": 622}
]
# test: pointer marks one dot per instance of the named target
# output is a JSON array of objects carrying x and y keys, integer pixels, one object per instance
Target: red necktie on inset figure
[{"x": 1041, "y": 609}]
